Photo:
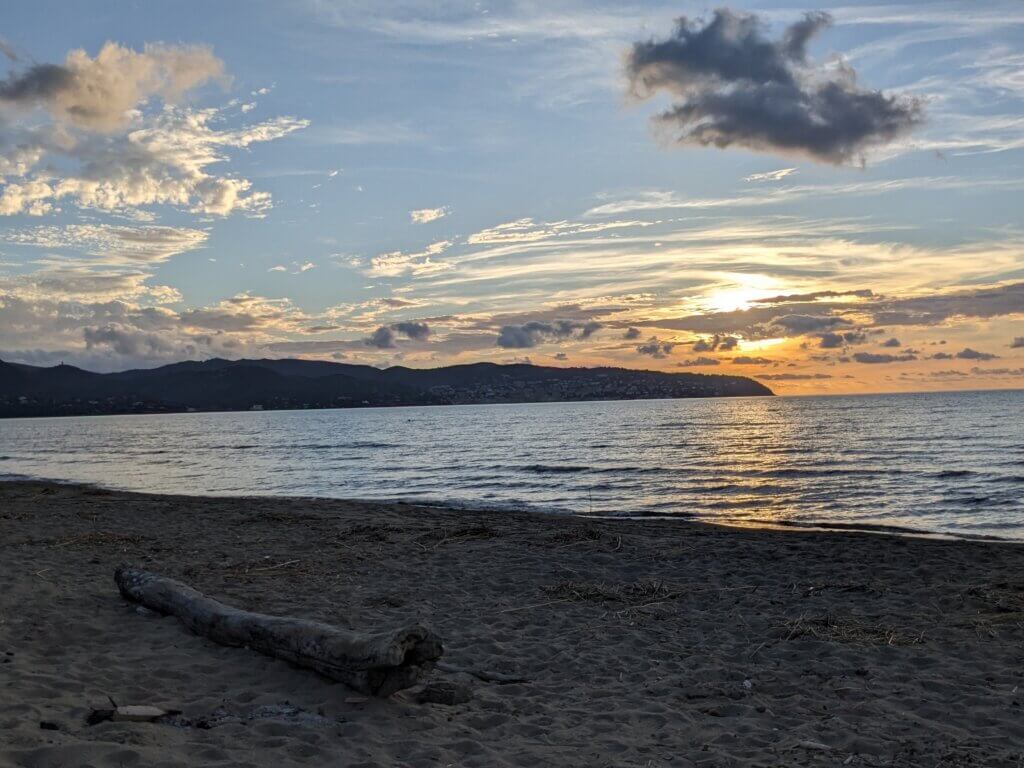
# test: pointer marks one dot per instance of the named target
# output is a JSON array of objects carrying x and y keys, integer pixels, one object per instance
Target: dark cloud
[
  {"x": 382, "y": 338},
  {"x": 634, "y": 333},
  {"x": 792, "y": 376},
  {"x": 417, "y": 331},
  {"x": 37, "y": 83},
  {"x": 830, "y": 340},
  {"x": 933, "y": 310},
  {"x": 535, "y": 332},
  {"x": 876, "y": 358},
  {"x": 972, "y": 354},
  {"x": 385, "y": 336},
  {"x": 893, "y": 342},
  {"x": 697, "y": 361},
  {"x": 733, "y": 85},
  {"x": 127, "y": 341},
  {"x": 655, "y": 348},
  {"x": 746, "y": 360},
  {"x": 1017, "y": 343},
  {"x": 716, "y": 342}
]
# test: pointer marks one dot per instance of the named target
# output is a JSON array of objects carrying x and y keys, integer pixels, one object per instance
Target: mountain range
[{"x": 231, "y": 385}]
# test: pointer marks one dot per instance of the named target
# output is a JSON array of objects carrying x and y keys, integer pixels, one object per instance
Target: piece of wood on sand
[{"x": 378, "y": 664}]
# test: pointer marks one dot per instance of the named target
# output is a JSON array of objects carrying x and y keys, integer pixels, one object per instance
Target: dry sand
[{"x": 644, "y": 643}]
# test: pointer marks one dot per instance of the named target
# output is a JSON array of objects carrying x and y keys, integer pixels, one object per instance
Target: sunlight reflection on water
[{"x": 951, "y": 462}]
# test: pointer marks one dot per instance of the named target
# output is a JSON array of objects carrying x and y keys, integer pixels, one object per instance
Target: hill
[{"x": 232, "y": 385}]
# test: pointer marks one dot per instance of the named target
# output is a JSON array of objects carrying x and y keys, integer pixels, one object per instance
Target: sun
[{"x": 735, "y": 298}]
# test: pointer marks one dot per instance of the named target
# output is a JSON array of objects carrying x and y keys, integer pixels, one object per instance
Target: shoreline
[
  {"x": 642, "y": 642},
  {"x": 469, "y": 508}
]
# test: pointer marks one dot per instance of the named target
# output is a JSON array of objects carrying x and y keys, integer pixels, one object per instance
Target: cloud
[
  {"x": 697, "y": 362},
  {"x": 110, "y": 244},
  {"x": 634, "y": 333},
  {"x": 417, "y": 331},
  {"x": 747, "y": 360},
  {"x": 995, "y": 301},
  {"x": 793, "y": 376},
  {"x": 778, "y": 175},
  {"x": 106, "y": 147},
  {"x": 397, "y": 263},
  {"x": 536, "y": 332},
  {"x": 382, "y": 338},
  {"x": 385, "y": 336},
  {"x": 877, "y": 358},
  {"x": 972, "y": 354},
  {"x": 163, "y": 163},
  {"x": 427, "y": 215},
  {"x": 98, "y": 94},
  {"x": 863, "y": 293},
  {"x": 1017, "y": 343},
  {"x": 733, "y": 86},
  {"x": 800, "y": 324},
  {"x": 716, "y": 342},
  {"x": 893, "y": 342},
  {"x": 830, "y": 340},
  {"x": 655, "y": 348}
]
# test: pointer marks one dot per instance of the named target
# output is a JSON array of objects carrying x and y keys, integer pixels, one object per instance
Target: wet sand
[{"x": 642, "y": 643}]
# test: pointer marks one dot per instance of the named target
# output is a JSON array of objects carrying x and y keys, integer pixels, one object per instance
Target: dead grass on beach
[{"x": 849, "y": 629}]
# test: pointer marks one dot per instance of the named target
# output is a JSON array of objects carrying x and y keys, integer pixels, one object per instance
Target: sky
[{"x": 829, "y": 198}]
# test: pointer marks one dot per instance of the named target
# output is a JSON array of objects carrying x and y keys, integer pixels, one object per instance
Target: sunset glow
[{"x": 291, "y": 200}]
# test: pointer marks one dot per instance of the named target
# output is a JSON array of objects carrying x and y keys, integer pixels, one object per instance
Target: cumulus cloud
[
  {"x": 427, "y": 215},
  {"x": 734, "y": 86},
  {"x": 716, "y": 342},
  {"x": 99, "y": 93},
  {"x": 382, "y": 338},
  {"x": 536, "y": 332},
  {"x": 417, "y": 331},
  {"x": 655, "y": 348},
  {"x": 385, "y": 337},
  {"x": 831, "y": 340},
  {"x": 108, "y": 150}
]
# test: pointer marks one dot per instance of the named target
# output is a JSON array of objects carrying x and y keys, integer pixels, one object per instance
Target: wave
[{"x": 555, "y": 468}]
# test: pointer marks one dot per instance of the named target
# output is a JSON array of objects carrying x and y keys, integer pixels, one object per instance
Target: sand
[{"x": 643, "y": 643}]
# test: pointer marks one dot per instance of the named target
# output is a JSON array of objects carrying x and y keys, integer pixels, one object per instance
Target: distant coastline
[{"x": 291, "y": 384}]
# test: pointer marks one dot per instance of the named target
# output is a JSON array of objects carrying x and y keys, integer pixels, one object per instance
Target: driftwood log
[{"x": 378, "y": 664}]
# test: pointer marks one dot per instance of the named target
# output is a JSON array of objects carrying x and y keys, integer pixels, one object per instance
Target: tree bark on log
[{"x": 378, "y": 664}]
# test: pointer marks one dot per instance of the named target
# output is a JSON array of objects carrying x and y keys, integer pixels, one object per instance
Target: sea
[{"x": 947, "y": 463}]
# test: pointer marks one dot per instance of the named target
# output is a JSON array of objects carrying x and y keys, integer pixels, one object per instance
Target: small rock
[
  {"x": 446, "y": 693},
  {"x": 47, "y": 725}
]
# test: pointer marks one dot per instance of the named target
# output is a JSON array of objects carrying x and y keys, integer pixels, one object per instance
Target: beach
[{"x": 633, "y": 642}]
